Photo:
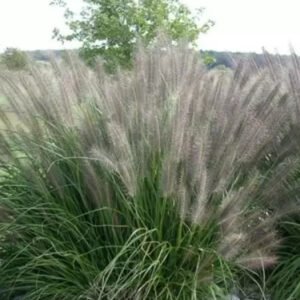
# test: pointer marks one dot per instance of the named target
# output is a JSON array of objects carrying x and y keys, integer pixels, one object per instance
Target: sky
[{"x": 241, "y": 25}]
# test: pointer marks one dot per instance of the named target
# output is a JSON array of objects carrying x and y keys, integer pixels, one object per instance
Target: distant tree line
[
  {"x": 231, "y": 59},
  {"x": 16, "y": 59}
]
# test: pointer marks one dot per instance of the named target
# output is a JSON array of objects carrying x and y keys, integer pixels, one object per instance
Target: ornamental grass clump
[{"x": 155, "y": 183}]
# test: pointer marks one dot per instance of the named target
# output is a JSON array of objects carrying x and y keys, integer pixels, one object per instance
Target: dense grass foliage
[
  {"x": 158, "y": 183},
  {"x": 284, "y": 281}
]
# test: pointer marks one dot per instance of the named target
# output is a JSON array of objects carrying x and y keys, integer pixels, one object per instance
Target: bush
[
  {"x": 146, "y": 185},
  {"x": 14, "y": 59}
]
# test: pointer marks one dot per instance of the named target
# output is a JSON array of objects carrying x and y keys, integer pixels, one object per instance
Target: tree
[
  {"x": 14, "y": 59},
  {"x": 111, "y": 28},
  {"x": 208, "y": 59}
]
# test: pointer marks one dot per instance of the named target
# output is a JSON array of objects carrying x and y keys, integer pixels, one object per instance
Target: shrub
[
  {"x": 146, "y": 185},
  {"x": 14, "y": 59}
]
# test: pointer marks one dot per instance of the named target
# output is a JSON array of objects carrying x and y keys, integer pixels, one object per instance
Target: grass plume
[{"x": 155, "y": 183}]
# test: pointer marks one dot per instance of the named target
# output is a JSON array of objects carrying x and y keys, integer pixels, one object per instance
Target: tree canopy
[{"x": 111, "y": 28}]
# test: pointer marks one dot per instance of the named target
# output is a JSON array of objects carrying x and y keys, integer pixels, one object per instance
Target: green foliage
[
  {"x": 14, "y": 59},
  {"x": 208, "y": 59},
  {"x": 111, "y": 29},
  {"x": 284, "y": 281},
  {"x": 63, "y": 247}
]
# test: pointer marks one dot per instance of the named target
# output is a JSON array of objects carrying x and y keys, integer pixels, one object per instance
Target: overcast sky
[{"x": 241, "y": 25}]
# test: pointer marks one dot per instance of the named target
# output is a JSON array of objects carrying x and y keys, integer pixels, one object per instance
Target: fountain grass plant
[{"x": 143, "y": 185}]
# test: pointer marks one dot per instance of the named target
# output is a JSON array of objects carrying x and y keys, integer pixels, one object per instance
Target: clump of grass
[{"x": 145, "y": 185}]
